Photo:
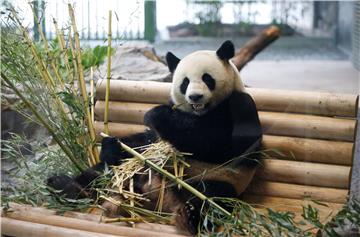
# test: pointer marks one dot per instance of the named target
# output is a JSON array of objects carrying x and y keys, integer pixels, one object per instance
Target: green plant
[{"x": 93, "y": 57}]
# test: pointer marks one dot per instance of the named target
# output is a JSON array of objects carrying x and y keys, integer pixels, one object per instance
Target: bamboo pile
[{"x": 309, "y": 136}]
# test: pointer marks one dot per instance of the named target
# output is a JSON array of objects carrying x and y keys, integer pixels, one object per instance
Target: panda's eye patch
[
  {"x": 184, "y": 85},
  {"x": 209, "y": 81}
]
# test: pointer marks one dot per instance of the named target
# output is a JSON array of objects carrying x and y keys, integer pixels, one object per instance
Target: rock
[{"x": 135, "y": 61}]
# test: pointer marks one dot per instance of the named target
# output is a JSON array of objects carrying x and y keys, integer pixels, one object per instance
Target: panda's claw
[{"x": 189, "y": 216}]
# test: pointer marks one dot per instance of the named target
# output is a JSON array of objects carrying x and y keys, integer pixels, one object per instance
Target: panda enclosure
[
  {"x": 314, "y": 135},
  {"x": 309, "y": 136}
]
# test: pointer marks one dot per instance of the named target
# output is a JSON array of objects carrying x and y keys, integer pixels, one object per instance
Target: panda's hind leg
[{"x": 189, "y": 213}]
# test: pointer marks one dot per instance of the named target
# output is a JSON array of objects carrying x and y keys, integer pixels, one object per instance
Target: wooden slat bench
[{"x": 310, "y": 137}]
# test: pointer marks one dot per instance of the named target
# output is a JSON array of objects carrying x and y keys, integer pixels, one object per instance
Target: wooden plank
[
  {"x": 296, "y": 191},
  {"x": 71, "y": 223},
  {"x": 16, "y": 228},
  {"x": 118, "y": 129},
  {"x": 299, "y": 149},
  {"x": 305, "y": 173},
  {"x": 287, "y": 204},
  {"x": 318, "y": 103},
  {"x": 274, "y": 123},
  {"x": 261, "y": 203},
  {"x": 98, "y": 218},
  {"x": 308, "y": 126},
  {"x": 310, "y": 150}
]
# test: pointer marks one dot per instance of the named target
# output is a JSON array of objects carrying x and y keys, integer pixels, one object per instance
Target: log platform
[{"x": 309, "y": 137}]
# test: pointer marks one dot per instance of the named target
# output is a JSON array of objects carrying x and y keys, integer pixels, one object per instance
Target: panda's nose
[{"x": 195, "y": 97}]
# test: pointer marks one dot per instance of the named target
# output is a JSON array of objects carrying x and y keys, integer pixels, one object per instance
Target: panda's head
[{"x": 203, "y": 79}]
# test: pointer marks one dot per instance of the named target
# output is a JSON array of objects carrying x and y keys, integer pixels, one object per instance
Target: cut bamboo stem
[
  {"x": 317, "y": 103},
  {"x": 273, "y": 123},
  {"x": 305, "y": 173},
  {"x": 43, "y": 122},
  {"x": 108, "y": 77},
  {"x": 82, "y": 84},
  {"x": 296, "y": 191},
  {"x": 173, "y": 178}
]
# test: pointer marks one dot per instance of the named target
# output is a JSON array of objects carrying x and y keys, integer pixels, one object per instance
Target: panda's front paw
[
  {"x": 157, "y": 116},
  {"x": 67, "y": 186},
  {"x": 188, "y": 216},
  {"x": 111, "y": 151}
]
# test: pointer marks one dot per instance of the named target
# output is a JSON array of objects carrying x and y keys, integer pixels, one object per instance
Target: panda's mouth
[{"x": 198, "y": 107}]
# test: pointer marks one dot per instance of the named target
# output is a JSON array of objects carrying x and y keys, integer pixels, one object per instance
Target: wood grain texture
[
  {"x": 305, "y": 173},
  {"x": 17, "y": 228},
  {"x": 282, "y": 147},
  {"x": 303, "y": 102},
  {"x": 296, "y": 191},
  {"x": 274, "y": 123}
]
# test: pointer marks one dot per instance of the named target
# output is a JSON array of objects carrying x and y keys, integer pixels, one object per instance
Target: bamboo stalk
[
  {"x": 40, "y": 64},
  {"x": 273, "y": 123},
  {"x": 108, "y": 77},
  {"x": 317, "y": 103},
  {"x": 92, "y": 94},
  {"x": 82, "y": 84},
  {"x": 73, "y": 60},
  {"x": 296, "y": 191},
  {"x": 63, "y": 49},
  {"x": 173, "y": 178},
  {"x": 46, "y": 44},
  {"x": 305, "y": 173},
  {"x": 43, "y": 122}
]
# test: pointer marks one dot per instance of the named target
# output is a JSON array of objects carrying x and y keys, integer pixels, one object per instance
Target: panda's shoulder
[{"x": 241, "y": 97}]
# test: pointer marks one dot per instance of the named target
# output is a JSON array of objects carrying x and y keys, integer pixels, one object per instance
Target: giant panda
[{"x": 211, "y": 116}]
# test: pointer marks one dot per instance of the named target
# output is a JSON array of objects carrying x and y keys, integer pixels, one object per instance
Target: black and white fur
[{"x": 214, "y": 119}]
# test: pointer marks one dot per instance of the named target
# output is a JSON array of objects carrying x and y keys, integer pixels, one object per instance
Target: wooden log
[
  {"x": 255, "y": 45},
  {"x": 135, "y": 91},
  {"x": 310, "y": 150},
  {"x": 16, "y": 228},
  {"x": 97, "y": 218},
  {"x": 299, "y": 149},
  {"x": 274, "y": 123},
  {"x": 286, "y": 204},
  {"x": 118, "y": 129},
  {"x": 125, "y": 112},
  {"x": 318, "y": 103},
  {"x": 296, "y": 191},
  {"x": 30, "y": 215},
  {"x": 308, "y": 126},
  {"x": 305, "y": 173}
]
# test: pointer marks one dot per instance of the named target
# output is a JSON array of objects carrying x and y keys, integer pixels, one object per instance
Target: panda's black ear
[
  {"x": 172, "y": 61},
  {"x": 226, "y": 50}
]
